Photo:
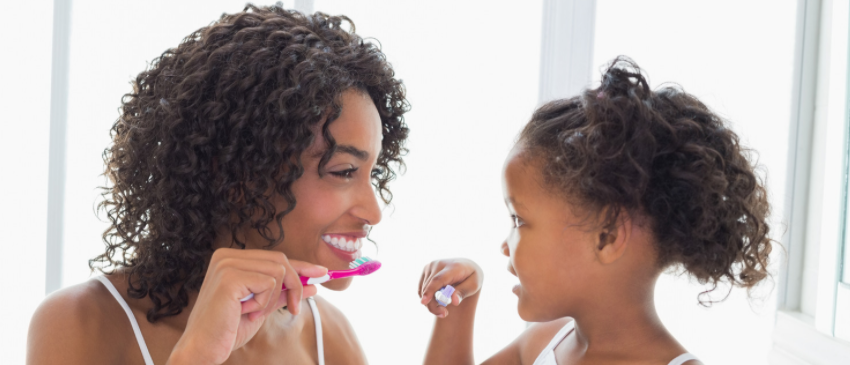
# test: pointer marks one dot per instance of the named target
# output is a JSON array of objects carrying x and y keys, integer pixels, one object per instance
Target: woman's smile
[{"x": 345, "y": 245}]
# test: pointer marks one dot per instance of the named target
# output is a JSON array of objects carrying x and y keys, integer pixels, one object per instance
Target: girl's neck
[{"x": 626, "y": 322}]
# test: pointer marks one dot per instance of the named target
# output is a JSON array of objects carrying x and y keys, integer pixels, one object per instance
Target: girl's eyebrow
[{"x": 511, "y": 201}]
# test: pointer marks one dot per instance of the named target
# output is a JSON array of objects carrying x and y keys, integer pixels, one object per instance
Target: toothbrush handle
[{"x": 304, "y": 281}]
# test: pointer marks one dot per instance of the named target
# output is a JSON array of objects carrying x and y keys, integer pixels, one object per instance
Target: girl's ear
[{"x": 613, "y": 240}]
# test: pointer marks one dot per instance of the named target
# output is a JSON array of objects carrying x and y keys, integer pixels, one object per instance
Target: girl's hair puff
[{"x": 665, "y": 156}]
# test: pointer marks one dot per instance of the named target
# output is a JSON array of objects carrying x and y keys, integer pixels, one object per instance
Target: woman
[{"x": 242, "y": 159}]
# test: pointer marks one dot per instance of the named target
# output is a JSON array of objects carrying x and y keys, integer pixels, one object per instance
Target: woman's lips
[
  {"x": 516, "y": 289},
  {"x": 345, "y": 246}
]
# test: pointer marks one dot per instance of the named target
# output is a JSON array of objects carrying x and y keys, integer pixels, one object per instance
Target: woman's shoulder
[
  {"x": 71, "y": 325},
  {"x": 338, "y": 334},
  {"x": 333, "y": 320}
]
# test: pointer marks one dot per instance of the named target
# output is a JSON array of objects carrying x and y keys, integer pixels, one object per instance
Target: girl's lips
[{"x": 516, "y": 289}]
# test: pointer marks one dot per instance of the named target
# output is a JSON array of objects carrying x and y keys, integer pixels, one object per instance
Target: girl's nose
[{"x": 505, "y": 249}]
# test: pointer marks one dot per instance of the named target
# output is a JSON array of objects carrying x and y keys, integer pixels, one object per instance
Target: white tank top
[
  {"x": 547, "y": 356},
  {"x": 141, "y": 340}
]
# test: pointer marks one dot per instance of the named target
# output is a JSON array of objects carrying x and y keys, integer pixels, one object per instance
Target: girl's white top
[
  {"x": 547, "y": 357},
  {"x": 141, "y": 340}
]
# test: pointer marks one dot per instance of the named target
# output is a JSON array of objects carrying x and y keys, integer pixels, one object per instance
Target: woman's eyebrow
[{"x": 351, "y": 150}]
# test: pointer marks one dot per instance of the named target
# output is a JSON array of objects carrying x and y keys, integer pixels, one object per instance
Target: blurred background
[{"x": 474, "y": 72}]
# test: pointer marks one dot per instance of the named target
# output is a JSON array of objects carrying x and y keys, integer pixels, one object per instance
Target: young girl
[{"x": 606, "y": 190}]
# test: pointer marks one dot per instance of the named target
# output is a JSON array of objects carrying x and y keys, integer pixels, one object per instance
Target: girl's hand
[
  {"x": 464, "y": 275},
  {"x": 220, "y": 322}
]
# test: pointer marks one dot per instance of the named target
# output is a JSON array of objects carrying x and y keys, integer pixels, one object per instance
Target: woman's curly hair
[
  {"x": 665, "y": 156},
  {"x": 215, "y": 127}
]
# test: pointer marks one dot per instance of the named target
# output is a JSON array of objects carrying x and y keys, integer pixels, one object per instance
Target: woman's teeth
[{"x": 340, "y": 242}]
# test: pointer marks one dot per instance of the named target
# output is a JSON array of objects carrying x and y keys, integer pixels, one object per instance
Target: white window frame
[{"x": 816, "y": 195}]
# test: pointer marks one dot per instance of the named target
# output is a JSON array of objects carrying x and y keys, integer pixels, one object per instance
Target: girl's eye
[
  {"x": 517, "y": 221},
  {"x": 345, "y": 174}
]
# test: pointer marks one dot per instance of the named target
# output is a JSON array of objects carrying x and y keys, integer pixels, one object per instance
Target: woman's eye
[
  {"x": 517, "y": 221},
  {"x": 345, "y": 174}
]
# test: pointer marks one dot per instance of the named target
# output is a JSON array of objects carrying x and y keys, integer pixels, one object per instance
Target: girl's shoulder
[
  {"x": 527, "y": 347},
  {"x": 72, "y": 325},
  {"x": 537, "y": 336}
]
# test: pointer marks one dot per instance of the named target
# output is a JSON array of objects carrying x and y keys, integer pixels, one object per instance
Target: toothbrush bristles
[{"x": 356, "y": 263}]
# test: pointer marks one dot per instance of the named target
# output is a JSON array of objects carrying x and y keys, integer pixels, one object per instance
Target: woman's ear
[{"x": 612, "y": 240}]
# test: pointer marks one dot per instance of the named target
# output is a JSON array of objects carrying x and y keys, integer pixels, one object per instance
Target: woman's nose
[
  {"x": 367, "y": 207},
  {"x": 505, "y": 249}
]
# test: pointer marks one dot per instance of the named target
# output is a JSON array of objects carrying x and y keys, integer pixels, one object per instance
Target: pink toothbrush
[{"x": 360, "y": 267}]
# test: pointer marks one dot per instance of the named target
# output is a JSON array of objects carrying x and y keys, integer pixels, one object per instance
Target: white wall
[
  {"x": 471, "y": 70},
  {"x": 737, "y": 57},
  {"x": 25, "y": 37}
]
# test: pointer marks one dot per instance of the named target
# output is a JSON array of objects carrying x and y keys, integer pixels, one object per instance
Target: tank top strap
[
  {"x": 547, "y": 356},
  {"x": 136, "y": 330},
  {"x": 318, "y": 320},
  {"x": 681, "y": 359}
]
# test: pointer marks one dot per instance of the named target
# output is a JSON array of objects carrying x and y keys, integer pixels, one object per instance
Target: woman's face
[
  {"x": 334, "y": 211},
  {"x": 550, "y": 250}
]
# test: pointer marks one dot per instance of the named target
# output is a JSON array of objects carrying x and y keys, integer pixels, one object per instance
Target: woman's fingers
[
  {"x": 253, "y": 282},
  {"x": 286, "y": 272},
  {"x": 294, "y": 289},
  {"x": 307, "y": 269},
  {"x": 229, "y": 269}
]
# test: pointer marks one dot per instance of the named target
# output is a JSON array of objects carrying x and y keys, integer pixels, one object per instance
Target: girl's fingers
[
  {"x": 464, "y": 289},
  {"x": 446, "y": 276},
  {"x": 438, "y": 310},
  {"x": 425, "y": 274}
]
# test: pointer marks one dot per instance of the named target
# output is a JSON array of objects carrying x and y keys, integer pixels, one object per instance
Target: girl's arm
[{"x": 451, "y": 340}]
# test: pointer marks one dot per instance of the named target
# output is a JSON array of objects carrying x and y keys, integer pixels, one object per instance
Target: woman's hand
[
  {"x": 464, "y": 275},
  {"x": 220, "y": 322}
]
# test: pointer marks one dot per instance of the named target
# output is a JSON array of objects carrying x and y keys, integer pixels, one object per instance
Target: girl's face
[
  {"x": 550, "y": 247},
  {"x": 335, "y": 211}
]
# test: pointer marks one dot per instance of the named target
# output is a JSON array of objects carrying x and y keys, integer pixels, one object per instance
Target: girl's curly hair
[
  {"x": 215, "y": 127},
  {"x": 665, "y": 156}
]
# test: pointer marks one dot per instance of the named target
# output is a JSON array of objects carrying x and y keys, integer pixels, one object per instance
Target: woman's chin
[{"x": 338, "y": 284}]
